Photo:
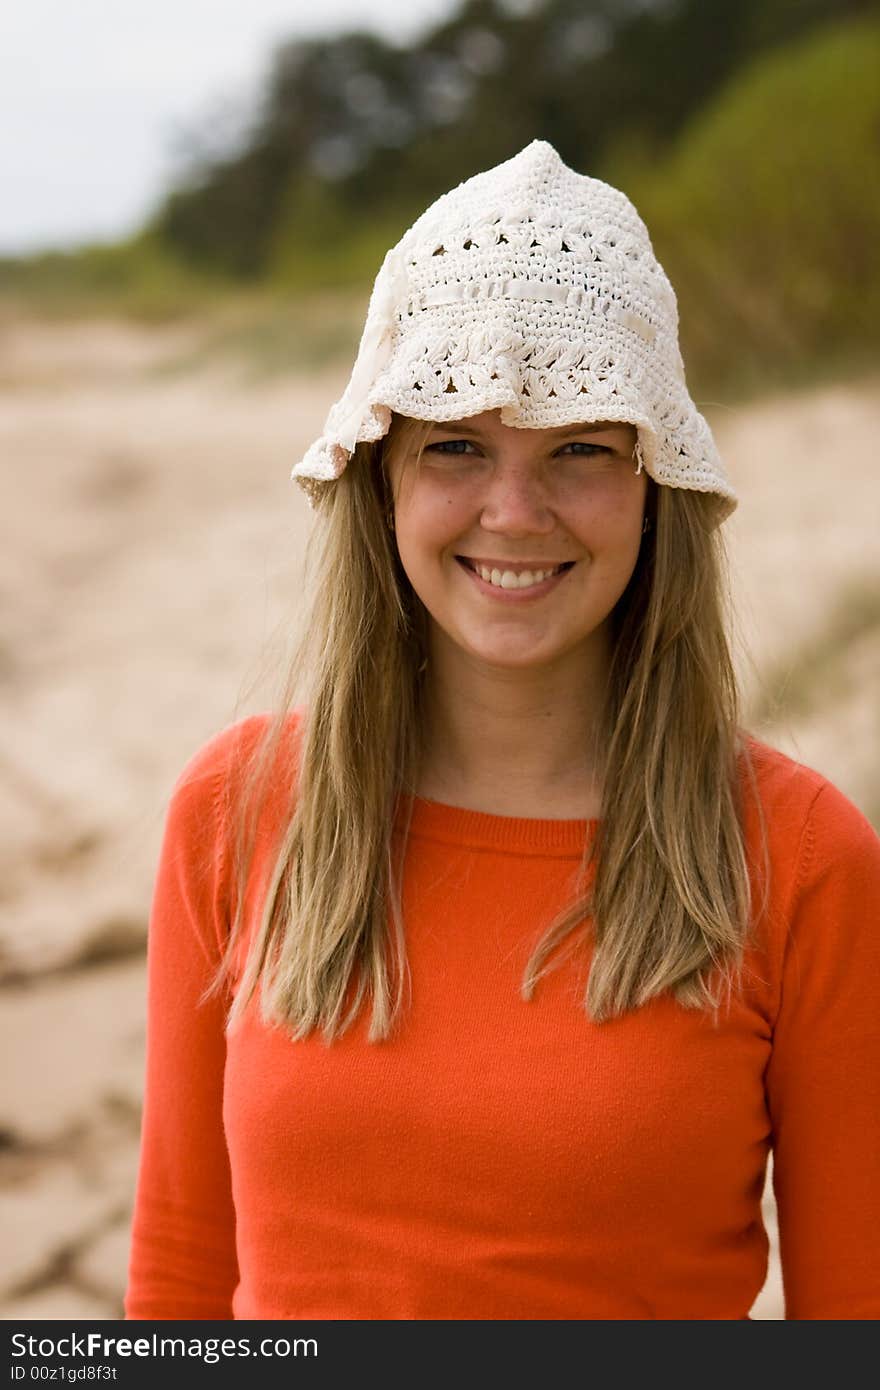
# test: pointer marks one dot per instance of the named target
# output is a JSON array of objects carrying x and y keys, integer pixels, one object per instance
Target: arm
[
  {"x": 183, "y": 1261},
  {"x": 823, "y": 1079}
]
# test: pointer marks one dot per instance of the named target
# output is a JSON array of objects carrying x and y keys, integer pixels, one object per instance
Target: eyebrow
[{"x": 594, "y": 427}]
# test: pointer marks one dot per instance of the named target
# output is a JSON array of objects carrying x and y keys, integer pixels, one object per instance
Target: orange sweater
[{"x": 510, "y": 1160}]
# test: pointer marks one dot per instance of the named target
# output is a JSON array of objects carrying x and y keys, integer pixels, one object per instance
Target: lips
[
  {"x": 510, "y": 590},
  {"x": 517, "y": 566}
]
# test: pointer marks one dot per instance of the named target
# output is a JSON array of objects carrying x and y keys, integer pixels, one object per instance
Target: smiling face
[{"x": 490, "y": 509}]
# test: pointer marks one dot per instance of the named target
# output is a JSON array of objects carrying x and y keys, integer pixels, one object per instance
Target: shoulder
[
  {"x": 796, "y": 795},
  {"x": 233, "y": 748},
  {"x": 781, "y": 781},
  {"x": 812, "y": 830},
  {"x": 216, "y": 774}
]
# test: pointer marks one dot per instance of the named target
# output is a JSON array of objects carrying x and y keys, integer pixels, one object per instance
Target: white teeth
[{"x": 506, "y": 579}]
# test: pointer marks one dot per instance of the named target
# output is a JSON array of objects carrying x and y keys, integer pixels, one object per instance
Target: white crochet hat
[{"x": 532, "y": 289}]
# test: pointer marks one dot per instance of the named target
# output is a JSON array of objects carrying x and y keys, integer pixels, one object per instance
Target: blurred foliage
[
  {"x": 140, "y": 277},
  {"x": 746, "y": 131},
  {"x": 352, "y": 128},
  {"x": 266, "y": 334},
  {"x": 766, "y": 214}
]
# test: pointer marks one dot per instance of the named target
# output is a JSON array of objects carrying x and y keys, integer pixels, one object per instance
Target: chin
[{"x": 514, "y": 656}]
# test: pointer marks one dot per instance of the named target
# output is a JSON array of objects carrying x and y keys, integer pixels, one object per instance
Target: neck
[{"x": 514, "y": 740}]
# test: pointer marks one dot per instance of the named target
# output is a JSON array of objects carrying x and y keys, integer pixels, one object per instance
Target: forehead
[{"x": 488, "y": 425}]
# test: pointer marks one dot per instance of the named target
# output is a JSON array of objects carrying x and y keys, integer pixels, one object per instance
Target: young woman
[{"x": 484, "y": 978}]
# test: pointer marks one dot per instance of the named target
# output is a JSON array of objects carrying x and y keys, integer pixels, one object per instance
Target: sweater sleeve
[
  {"x": 823, "y": 1079},
  {"x": 182, "y": 1261}
]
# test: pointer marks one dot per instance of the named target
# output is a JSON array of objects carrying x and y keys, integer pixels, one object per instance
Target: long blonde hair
[{"x": 664, "y": 892}]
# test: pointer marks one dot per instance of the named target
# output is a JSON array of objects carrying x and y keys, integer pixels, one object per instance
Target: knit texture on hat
[{"x": 531, "y": 289}]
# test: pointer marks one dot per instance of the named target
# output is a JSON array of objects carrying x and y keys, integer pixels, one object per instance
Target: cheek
[
  {"x": 420, "y": 539},
  {"x": 609, "y": 518},
  {"x": 428, "y": 521}
]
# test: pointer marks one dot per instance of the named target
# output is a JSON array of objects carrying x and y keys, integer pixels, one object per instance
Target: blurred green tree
[
  {"x": 352, "y": 128},
  {"x": 766, "y": 213}
]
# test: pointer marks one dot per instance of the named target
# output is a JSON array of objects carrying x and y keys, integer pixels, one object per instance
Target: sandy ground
[{"x": 151, "y": 548}]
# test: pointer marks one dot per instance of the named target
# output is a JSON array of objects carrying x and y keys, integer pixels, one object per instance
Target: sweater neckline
[{"x": 458, "y": 825}]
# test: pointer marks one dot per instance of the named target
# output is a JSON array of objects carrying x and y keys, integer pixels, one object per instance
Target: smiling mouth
[{"x": 509, "y": 576}]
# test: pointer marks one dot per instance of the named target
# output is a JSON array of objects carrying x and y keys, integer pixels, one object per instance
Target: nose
[{"x": 516, "y": 501}]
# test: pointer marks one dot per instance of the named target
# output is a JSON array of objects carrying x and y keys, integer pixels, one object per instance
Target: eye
[
  {"x": 593, "y": 450},
  {"x": 448, "y": 446}
]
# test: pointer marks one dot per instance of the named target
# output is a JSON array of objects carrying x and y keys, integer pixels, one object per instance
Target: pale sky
[{"x": 92, "y": 93}]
